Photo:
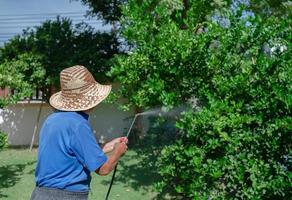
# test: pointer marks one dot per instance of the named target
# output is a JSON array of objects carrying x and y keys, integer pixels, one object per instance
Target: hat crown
[
  {"x": 79, "y": 90},
  {"x": 75, "y": 78}
]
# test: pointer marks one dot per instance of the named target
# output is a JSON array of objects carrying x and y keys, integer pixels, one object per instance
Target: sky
[{"x": 16, "y": 15}]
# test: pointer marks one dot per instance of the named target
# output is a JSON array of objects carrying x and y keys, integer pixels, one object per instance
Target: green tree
[
  {"x": 108, "y": 10},
  {"x": 161, "y": 60},
  {"x": 238, "y": 144},
  {"x": 60, "y": 44},
  {"x": 22, "y": 75}
]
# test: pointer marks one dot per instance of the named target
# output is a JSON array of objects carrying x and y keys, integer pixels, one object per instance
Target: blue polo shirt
[{"x": 67, "y": 152}]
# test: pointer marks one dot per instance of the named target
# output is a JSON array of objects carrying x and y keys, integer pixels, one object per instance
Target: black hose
[
  {"x": 111, "y": 184},
  {"x": 114, "y": 174}
]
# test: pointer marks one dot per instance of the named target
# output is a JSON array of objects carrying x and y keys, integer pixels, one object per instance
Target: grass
[{"x": 133, "y": 180}]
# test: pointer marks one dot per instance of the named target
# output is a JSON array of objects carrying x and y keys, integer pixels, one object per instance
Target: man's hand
[
  {"x": 108, "y": 147},
  {"x": 119, "y": 148}
]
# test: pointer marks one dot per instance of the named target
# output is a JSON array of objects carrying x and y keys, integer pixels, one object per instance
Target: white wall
[{"x": 19, "y": 120}]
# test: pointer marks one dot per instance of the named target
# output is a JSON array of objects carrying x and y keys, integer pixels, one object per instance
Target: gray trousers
[{"x": 44, "y": 193}]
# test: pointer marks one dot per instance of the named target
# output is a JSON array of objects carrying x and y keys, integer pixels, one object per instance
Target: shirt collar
[{"x": 83, "y": 114}]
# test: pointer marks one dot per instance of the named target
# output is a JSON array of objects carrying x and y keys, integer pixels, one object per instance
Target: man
[{"x": 68, "y": 151}]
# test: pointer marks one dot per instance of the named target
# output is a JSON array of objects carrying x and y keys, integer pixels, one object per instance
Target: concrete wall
[{"x": 19, "y": 120}]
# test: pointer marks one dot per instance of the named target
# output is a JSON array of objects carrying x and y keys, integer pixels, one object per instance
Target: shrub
[{"x": 238, "y": 145}]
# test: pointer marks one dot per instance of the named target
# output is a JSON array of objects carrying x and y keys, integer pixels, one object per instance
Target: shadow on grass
[
  {"x": 139, "y": 176},
  {"x": 11, "y": 174}
]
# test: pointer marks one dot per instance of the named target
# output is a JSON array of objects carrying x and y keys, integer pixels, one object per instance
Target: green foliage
[
  {"x": 22, "y": 74},
  {"x": 108, "y": 10},
  {"x": 62, "y": 45},
  {"x": 267, "y": 8},
  {"x": 238, "y": 145},
  {"x": 163, "y": 68},
  {"x": 3, "y": 140}
]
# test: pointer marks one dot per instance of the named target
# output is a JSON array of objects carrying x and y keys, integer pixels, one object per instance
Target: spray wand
[
  {"x": 114, "y": 173},
  {"x": 161, "y": 112}
]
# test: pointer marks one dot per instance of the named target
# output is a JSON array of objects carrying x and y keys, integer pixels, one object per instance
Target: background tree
[
  {"x": 61, "y": 45},
  {"x": 108, "y": 10},
  {"x": 237, "y": 63},
  {"x": 22, "y": 74}
]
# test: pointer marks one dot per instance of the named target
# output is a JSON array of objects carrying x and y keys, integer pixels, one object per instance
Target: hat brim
[{"x": 96, "y": 94}]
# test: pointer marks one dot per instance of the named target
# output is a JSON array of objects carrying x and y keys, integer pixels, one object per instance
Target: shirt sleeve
[{"x": 86, "y": 149}]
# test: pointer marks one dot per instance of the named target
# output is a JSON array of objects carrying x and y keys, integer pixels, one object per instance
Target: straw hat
[{"x": 79, "y": 90}]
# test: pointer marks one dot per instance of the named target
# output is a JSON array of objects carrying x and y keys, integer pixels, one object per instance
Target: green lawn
[{"x": 133, "y": 180}]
